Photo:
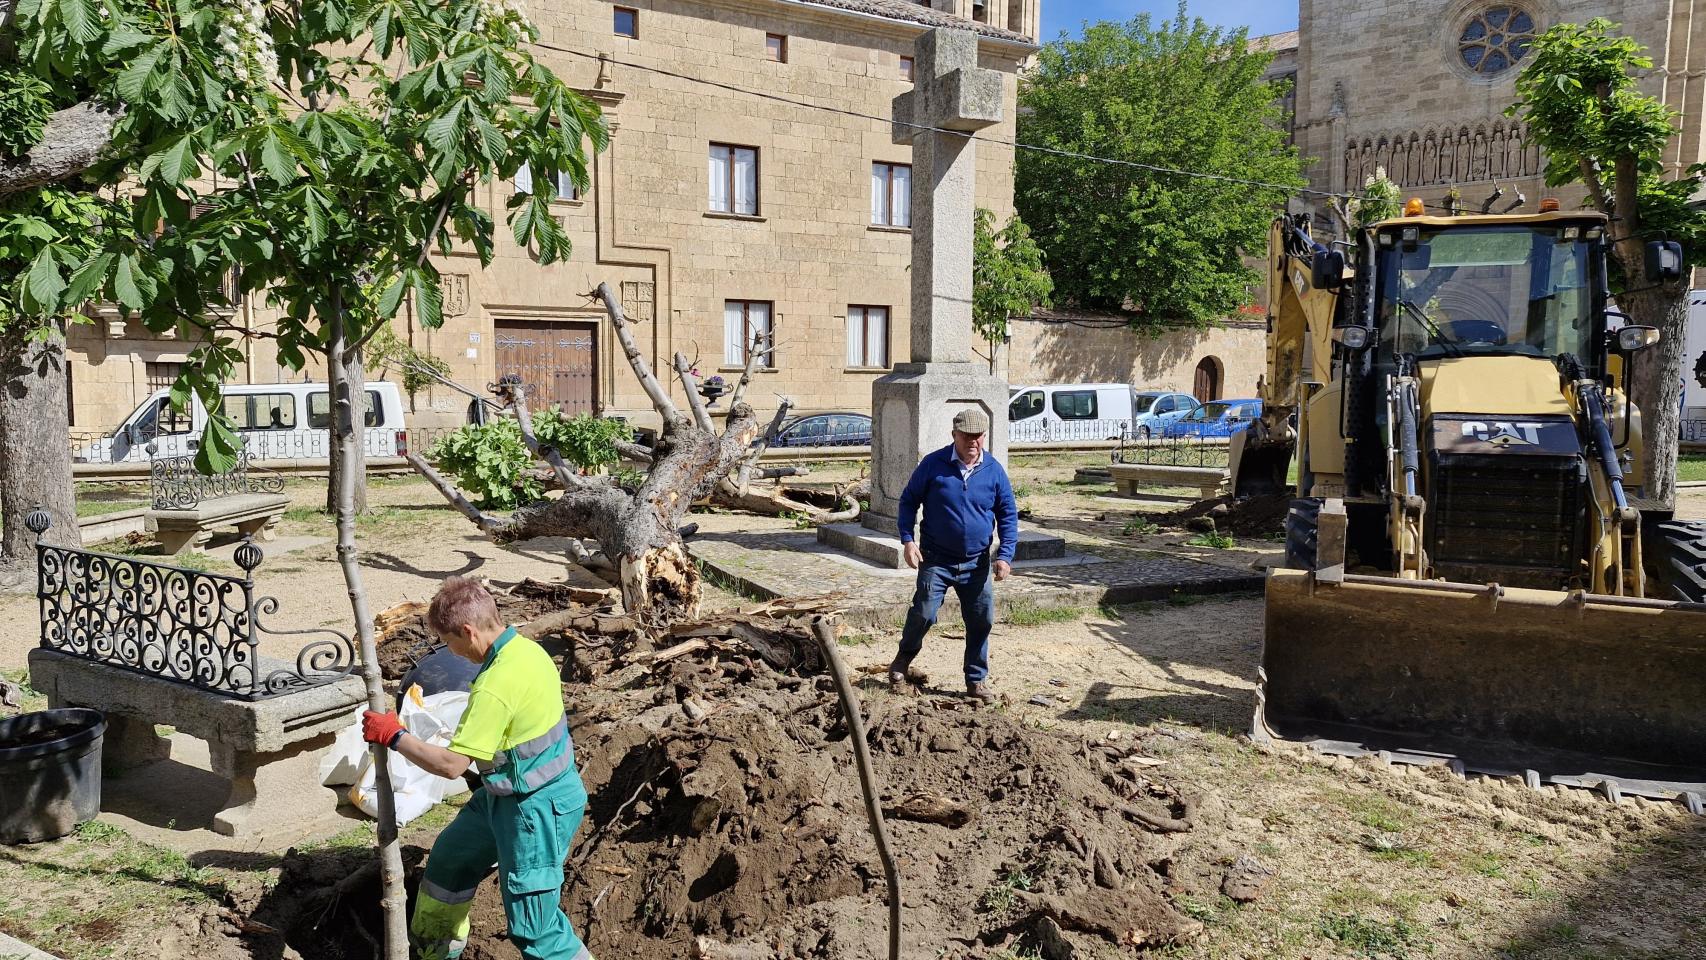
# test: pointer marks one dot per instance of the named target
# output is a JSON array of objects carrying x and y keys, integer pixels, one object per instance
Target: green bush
[{"x": 492, "y": 463}]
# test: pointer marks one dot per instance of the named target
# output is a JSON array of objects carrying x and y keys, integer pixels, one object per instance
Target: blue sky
[{"x": 1261, "y": 17}]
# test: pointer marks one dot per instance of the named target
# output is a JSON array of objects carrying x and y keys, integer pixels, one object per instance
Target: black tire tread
[
  {"x": 1675, "y": 555},
  {"x": 1302, "y": 526}
]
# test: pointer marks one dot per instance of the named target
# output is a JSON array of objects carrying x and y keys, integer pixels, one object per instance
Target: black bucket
[{"x": 50, "y": 773}]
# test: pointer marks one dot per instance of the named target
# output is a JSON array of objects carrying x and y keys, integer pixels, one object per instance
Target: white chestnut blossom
[
  {"x": 245, "y": 47},
  {"x": 490, "y": 11}
]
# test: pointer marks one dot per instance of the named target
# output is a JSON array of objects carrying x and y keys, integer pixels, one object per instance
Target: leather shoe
[{"x": 980, "y": 689}]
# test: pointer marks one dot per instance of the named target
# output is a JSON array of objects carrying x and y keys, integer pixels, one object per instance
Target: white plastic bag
[{"x": 432, "y": 719}]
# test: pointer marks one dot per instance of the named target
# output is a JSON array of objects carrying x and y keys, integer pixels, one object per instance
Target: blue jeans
[{"x": 970, "y": 579}]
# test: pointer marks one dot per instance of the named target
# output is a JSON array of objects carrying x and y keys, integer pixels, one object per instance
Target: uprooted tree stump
[{"x": 639, "y": 530}]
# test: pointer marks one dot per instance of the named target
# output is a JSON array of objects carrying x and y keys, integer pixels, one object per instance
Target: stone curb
[{"x": 11, "y": 949}]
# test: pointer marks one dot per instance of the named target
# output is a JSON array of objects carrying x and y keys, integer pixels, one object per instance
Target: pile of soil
[
  {"x": 1247, "y": 517},
  {"x": 403, "y": 638},
  {"x": 726, "y": 821}
]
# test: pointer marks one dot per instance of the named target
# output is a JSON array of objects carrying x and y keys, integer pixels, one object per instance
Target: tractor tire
[
  {"x": 1675, "y": 555},
  {"x": 1302, "y": 522}
]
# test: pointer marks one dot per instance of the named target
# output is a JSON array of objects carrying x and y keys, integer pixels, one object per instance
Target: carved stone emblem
[{"x": 455, "y": 294}]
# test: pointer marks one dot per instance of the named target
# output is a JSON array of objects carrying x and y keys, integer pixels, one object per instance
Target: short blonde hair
[{"x": 462, "y": 602}]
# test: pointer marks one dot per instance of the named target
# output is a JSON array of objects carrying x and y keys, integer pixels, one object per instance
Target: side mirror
[
  {"x": 1633, "y": 338},
  {"x": 1664, "y": 261},
  {"x": 1351, "y": 338},
  {"x": 1327, "y": 270}
]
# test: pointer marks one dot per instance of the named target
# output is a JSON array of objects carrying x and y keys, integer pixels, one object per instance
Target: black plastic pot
[{"x": 50, "y": 773}]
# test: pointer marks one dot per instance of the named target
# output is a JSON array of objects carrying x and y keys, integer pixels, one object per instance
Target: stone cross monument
[{"x": 913, "y": 408}]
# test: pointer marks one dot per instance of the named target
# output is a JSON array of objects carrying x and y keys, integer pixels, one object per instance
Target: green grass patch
[
  {"x": 1139, "y": 527},
  {"x": 1691, "y": 466},
  {"x": 98, "y": 508},
  {"x": 1371, "y": 936},
  {"x": 1024, "y": 614},
  {"x": 1001, "y": 896},
  {"x": 1218, "y": 541},
  {"x": 1486, "y": 864},
  {"x": 1372, "y": 810},
  {"x": 1393, "y": 849},
  {"x": 29, "y": 699}
]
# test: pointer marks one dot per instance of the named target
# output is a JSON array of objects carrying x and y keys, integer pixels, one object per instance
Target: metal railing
[
  {"x": 186, "y": 626},
  {"x": 1041, "y": 430},
  {"x": 174, "y": 483},
  {"x": 1188, "y": 451},
  {"x": 89, "y": 447}
]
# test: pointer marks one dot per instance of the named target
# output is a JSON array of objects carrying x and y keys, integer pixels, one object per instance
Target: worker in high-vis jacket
[{"x": 522, "y": 818}]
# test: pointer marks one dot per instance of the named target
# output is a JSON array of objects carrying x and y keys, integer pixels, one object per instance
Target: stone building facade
[
  {"x": 747, "y": 137},
  {"x": 1421, "y": 88}
]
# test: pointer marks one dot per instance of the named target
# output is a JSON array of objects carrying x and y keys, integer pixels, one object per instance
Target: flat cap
[{"x": 971, "y": 420}]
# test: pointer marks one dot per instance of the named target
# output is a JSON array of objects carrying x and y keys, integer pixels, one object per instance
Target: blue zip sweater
[{"x": 960, "y": 517}]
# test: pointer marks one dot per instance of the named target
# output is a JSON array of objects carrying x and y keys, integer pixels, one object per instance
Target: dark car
[{"x": 825, "y": 430}]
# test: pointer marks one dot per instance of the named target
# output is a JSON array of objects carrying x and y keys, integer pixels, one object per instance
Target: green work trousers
[{"x": 527, "y": 839}]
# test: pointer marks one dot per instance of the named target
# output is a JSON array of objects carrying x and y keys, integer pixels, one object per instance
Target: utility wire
[{"x": 1035, "y": 148}]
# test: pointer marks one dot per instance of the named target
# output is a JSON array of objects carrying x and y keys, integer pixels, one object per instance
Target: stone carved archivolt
[{"x": 1421, "y": 158}]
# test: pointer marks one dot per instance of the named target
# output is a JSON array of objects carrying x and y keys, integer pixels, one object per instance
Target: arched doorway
[{"x": 1206, "y": 385}]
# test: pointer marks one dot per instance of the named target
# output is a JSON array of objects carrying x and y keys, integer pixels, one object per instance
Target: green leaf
[
  {"x": 79, "y": 20},
  {"x": 444, "y": 132},
  {"x": 88, "y": 279},
  {"x": 314, "y": 216},
  {"x": 429, "y": 300},
  {"x": 178, "y": 161},
  {"x": 44, "y": 283},
  {"x": 133, "y": 80},
  {"x": 125, "y": 287},
  {"x": 392, "y": 298},
  {"x": 276, "y": 159},
  {"x": 220, "y": 447}
]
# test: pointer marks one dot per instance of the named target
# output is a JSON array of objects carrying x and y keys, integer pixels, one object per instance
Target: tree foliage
[
  {"x": 492, "y": 461},
  {"x": 1008, "y": 276},
  {"x": 1178, "y": 94},
  {"x": 1579, "y": 95},
  {"x": 325, "y": 149}
]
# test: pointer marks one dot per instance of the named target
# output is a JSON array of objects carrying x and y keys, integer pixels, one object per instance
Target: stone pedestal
[{"x": 912, "y": 414}]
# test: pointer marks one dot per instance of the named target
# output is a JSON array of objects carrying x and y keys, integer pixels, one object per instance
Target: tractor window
[{"x": 1464, "y": 290}]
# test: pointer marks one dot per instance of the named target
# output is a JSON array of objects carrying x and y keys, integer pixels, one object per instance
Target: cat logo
[{"x": 1503, "y": 433}]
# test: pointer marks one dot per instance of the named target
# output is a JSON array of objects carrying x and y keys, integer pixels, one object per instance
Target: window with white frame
[
  {"x": 867, "y": 336},
  {"x": 891, "y": 195},
  {"x": 734, "y": 179},
  {"x": 742, "y": 321},
  {"x": 565, "y": 185}
]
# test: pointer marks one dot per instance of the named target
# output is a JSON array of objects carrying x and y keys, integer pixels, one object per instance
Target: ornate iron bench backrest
[
  {"x": 176, "y": 484},
  {"x": 190, "y": 627}
]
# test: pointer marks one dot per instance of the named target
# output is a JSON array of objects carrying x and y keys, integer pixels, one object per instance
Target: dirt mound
[
  {"x": 1250, "y": 517},
  {"x": 726, "y": 821},
  {"x": 403, "y": 637}
]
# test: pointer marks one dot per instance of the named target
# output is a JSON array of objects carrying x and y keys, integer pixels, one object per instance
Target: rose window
[{"x": 1495, "y": 39}]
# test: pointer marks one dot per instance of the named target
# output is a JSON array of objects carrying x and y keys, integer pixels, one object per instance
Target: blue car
[
  {"x": 825, "y": 430},
  {"x": 1217, "y": 418}
]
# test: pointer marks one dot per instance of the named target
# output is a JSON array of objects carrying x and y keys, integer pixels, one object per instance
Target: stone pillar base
[
  {"x": 912, "y": 414},
  {"x": 880, "y": 545}
]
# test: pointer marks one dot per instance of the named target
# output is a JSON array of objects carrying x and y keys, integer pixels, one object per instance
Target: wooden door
[
  {"x": 1207, "y": 384},
  {"x": 555, "y": 359}
]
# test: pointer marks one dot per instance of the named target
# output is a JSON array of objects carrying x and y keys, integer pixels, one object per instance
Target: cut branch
[
  {"x": 695, "y": 402},
  {"x": 74, "y": 140},
  {"x": 487, "y": 523},
  {"x": 516, "y": 392},
  {"x": 659, "y": 397},
  {"x": 754, "y": 350}
]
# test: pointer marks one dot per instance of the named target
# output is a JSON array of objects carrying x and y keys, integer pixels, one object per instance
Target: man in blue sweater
[{"x": 965, "y": 497}]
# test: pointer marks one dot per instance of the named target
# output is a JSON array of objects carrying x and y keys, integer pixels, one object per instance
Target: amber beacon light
[{"x": 1413, "y": 207}]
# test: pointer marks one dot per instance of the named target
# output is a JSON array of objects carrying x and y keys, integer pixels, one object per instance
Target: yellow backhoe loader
[{"x": 1468, "y": 578}]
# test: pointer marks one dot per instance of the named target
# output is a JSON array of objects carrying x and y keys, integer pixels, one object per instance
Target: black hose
[
  {"x": 1407, "y": 438},
  {"x": 1593, "y": 404}
]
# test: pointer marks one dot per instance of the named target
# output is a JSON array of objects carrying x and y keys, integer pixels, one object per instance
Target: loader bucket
[{"x": 1568, "y": 688}]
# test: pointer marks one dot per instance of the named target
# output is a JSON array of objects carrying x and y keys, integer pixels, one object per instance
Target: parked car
[
  {"x": 277, "y": 421},
  {"x": 1071, "y": 411},
  {"x": 1157, "y": 408},
  {"x": 825, "y": 430},
  {"x": 1217, "y": 418}
]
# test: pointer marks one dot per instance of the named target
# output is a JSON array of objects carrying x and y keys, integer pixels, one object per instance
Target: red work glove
[{"x": 382, "y": 728}]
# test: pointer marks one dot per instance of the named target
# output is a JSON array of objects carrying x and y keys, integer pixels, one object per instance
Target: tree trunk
[
  {"x": 1657, "y": 385},
  {"x": 353, "y": 373},
  {"x": 345, "y": 427},
  {"x": 35, "y": 447}
]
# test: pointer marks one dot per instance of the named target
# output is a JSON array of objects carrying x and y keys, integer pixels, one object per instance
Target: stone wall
[
  {"x": 1065, "y": 352},
  {"x": 644, "y": 226}
]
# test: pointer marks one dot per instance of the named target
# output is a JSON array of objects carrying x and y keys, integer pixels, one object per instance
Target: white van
[
  {"x": 1071, "y": 412},
  {"x": 277, "y": 421}
]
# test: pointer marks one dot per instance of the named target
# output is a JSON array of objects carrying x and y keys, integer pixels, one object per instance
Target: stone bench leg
[
  {"x": 174, "y": 542},
  {"x": 1125, "y": 487},
  {"x": 263, "y": 529},
  {"x": 129, "y": 742},
  {"x": 267, "y": 789}
]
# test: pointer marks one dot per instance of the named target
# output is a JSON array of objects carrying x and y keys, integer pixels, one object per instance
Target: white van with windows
[
  {"x": 1070, "y": 412},
  {"x": 277, "y": 421}
]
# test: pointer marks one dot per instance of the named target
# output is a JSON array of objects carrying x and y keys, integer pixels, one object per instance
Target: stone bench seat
[
  {"x": 253, "y": 514},
  {"x": 248, "y": 740},
  {"x": 1129, "y": 476}
]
